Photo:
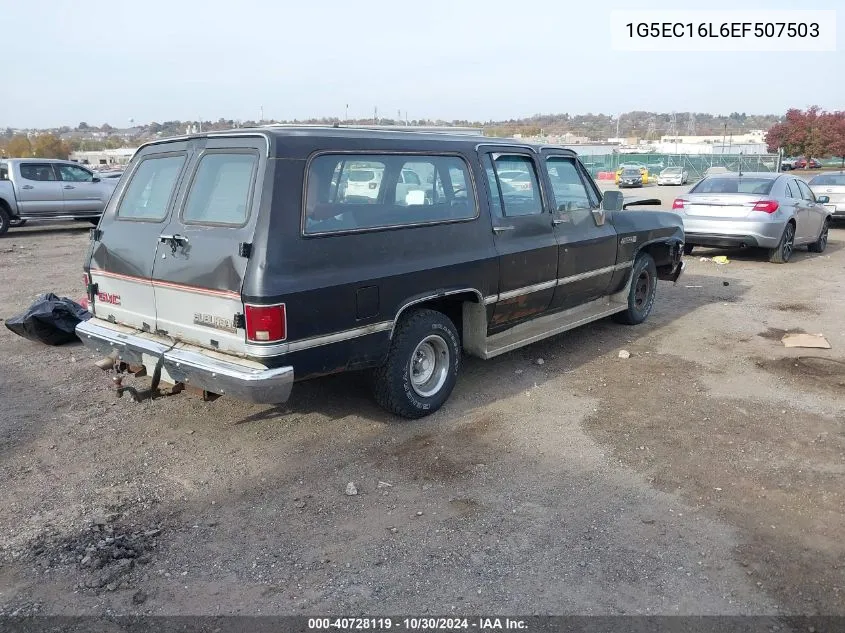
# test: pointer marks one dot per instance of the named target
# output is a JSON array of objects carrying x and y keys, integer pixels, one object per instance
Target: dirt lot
[{"x": 702, "y": 475}]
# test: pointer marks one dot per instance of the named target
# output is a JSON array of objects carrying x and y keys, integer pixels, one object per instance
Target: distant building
[
  {"x": 120, "y": 156},
  {"x": 752, "y": 137}
]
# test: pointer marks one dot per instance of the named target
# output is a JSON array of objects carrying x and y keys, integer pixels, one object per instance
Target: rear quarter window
[
  {"x": 221, "y": 189},
  {"x": 150, "y": 189},
  {"x": 354, "y": 192}
]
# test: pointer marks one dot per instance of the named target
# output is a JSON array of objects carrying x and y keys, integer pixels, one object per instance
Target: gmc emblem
[{"x": 109, "y": 297}]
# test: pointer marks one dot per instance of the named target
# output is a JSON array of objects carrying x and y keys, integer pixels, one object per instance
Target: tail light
[
  {"x": 265, "y": 324},
  {"x": 85, "y": 281},
  {"x": 678, "y": 203},
  {"x": 767, "y": 206}
]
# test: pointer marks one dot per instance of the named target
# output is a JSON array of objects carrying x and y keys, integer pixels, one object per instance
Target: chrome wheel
[
  {"x": 788, "y": 242},
  {"x": 823, "y": 236},
  {"x": 642, "y": 290},
  {"x": 429, "y": 366}
]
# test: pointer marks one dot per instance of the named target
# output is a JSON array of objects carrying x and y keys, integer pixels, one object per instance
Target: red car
[{"x": 803, "y": 163}]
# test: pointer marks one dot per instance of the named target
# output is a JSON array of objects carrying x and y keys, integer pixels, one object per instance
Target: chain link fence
[{"x": 695, "y": 164}]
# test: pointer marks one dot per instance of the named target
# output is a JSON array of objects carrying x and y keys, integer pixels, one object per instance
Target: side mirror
[
  {"x": 95, "y": 179},
  {"x": 822, "y": 199},
  {"x": 612, "y": 201}
]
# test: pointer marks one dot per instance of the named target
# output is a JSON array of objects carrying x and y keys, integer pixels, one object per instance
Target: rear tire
[
  {"x": 5, "y": 220},
  {"x": 820, "y": 244},
  {"x": 642, "y": 293},
  {"x": 781, "y": 253},
  {"x": 688, "y": 249},
  {"x": 422, "y": 365}
]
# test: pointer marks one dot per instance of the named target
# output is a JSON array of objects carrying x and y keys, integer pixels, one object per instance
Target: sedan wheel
[
  {"x": 820, "y": 244},
  {"x": 783, "y": 251}
]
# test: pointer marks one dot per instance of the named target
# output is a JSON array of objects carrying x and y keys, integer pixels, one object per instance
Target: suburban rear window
[
  {"x": 221, "y": 189},
  {"x": 760, "y": 186},
  {"x": 350, "y": 192},
  {"x": 149, "y": 192}
]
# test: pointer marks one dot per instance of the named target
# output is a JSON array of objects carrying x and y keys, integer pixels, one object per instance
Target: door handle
[
  {"x": 175, "y": 238},
  {"x": 27, "y": 187},
  {"x": 69, "y": 187},
  {"x": 501, "y": 229}
]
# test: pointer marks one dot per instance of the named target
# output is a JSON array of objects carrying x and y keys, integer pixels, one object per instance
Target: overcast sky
[{"x": 155, "y": 60}]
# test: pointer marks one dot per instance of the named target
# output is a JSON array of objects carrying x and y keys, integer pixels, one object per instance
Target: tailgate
[{"x": 124, "y": 244}]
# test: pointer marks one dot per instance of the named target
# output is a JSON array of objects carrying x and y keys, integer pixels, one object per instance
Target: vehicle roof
[
  {"x": 274, "y": 133},
  {"x": 766, "y": 175},
  {"x": 38, "y": 160}
]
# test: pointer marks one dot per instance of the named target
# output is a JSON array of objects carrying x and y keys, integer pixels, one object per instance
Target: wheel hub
[{"x": 429, "y": 366}]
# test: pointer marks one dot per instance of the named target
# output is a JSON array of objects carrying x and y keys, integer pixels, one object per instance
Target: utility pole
[
  {"x": 260, "y": 114},
  {"x": 724, "y": 135},
  {"x": 375, "y": 115},
  {"x": 346, "y": 114}
]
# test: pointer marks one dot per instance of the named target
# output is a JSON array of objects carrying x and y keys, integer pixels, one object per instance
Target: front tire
[
  {"x": 422, "y": 365},
  {"x": 642, "y": 293},
  {"x": 781, "y": 253},
  {"x": 820, "y": 244}
]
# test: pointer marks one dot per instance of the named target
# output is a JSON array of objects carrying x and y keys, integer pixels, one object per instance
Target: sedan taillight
[
  {"x": 678, "y": 203},
  {"x": 767, "y": 206}
]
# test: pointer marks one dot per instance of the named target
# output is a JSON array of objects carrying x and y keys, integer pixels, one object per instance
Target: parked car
[
  {"x": 787, "y": 164},
  {"x": 715, "y": 170},
  {"x": 831, "y": 186},
  {"x": 630, "y": 177},
  {"x": 673, "y": 176},
  {"x": 643, "y": 172},
  {"x": 41, "y": 189},
  {"x": 518, "y": 179},
  {"x": 232, "y": 263},
  {"x": 806, "y": 163},
  {"x": 767, "y": 210}
]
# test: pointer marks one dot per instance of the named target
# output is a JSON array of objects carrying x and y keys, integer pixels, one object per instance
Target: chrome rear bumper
[{"x": 180, "y": 362}]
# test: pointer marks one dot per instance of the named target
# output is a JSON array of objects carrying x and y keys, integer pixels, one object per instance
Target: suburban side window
[
  {"x": 37, "y": 171},
  {"x": 346, "y": 192},
  {"x": 4, "y": 172},
  {"x": 220, "y": 191},
  {"x": 571, "y": 199},
  {"x": 518, "y": 184},
  {"x": 72, "y": 173},
  {"x": 149, "y": 192}
]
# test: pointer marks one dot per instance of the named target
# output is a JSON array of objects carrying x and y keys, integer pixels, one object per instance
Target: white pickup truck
[{"x": 49, "y": 189}]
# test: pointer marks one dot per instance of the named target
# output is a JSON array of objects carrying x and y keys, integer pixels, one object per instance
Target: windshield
[
  {"x": 631, "y": 172},
  {"x": 831, "y": 180},
  {"x": 761, "y": 186},
  {"x": 672, "y": 170}
]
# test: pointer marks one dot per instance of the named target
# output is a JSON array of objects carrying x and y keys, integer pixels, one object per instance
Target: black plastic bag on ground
[{"x": 51, "y": 320}]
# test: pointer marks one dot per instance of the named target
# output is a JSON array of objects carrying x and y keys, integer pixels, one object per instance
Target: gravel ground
[{"x": 702, "y": 475}]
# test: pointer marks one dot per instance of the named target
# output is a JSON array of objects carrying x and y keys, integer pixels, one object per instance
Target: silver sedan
[
  {"x": 673, "y": 176},
  {"x": 766, "y": 210},
  {"x": 831, "y": 186}
]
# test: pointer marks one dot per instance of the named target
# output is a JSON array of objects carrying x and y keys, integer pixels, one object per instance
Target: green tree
[
  {"x": 49, "y": 146},
  {"x": 19, "y": 147}
]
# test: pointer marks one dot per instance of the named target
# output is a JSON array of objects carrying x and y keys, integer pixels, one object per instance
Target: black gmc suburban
[{"x": 239, "y": 262}]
